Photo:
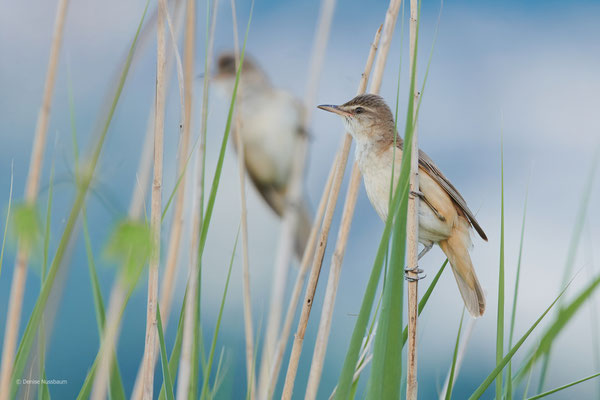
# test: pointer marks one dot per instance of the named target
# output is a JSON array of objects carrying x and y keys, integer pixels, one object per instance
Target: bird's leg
[
  {"x": 425, "y": 250},
  {"x": 421, "y": 196},
  {"x": 416, "y": 269}
]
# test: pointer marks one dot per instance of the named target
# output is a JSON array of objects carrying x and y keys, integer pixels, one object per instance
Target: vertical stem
[
  {"x": 338, "y": 256},
  {"x": 156, "y": 208},
  {"x": 290, "y": 217},
  {"x": 185, "y": 363},
  {"x": 247, "y": 298},
  {"x": 412, "y": 226},
  {"x": 17, "y": 289}
]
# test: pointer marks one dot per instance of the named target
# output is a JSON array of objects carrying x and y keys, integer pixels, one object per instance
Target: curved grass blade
[
  {"x": 176, "y": 351},
  {"x": 168, "y": 382},
  {"x": 558, "y": 389},
  {"x": 84, "y": 184},
  {"x": 207, "y": 370},
  {"x": 454, "y": 357},
  {"x": 500, "y": 366}
]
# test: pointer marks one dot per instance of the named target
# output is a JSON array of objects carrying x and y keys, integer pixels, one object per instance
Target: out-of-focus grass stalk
[
  {"x": 192, "y": 298},
  {"x": 7, "y": 215},
  {"x": 500, "y": 366},
  {"x": 186, "y": 91},
  {"x": 320, "y": 349},
  {"x": 207, "y": 370},
  {"x": 156, "y": 205},
  {"x": 84, "y": 182},
  {"x": 412, "y": 227},
  {"x": 454, "y": 359},
  {"x": 461, "y": 354},
  {"x": 304, "y": 264},
  {"x": 17, "y": 289},
  {"x": 294, "y": 197},
  {"x": 500, "y": 318},
  {"x": 573, "y": 245},
  {"x": 247, "y": 298}
]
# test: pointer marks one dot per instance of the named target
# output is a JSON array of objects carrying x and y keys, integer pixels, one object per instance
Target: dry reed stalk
[
  {"x": 247, "y": 298},
  {"x": 294, "y": 194},
  {"x": 156, "y": 206},
  {"x": 412, "y": 226},
  {"x": 17, "y": 289},
  {"x": 318, "y": 258},
  {"x": 338, "y": 256},
  {"x": 144, "y": 169},
  {"x": 170, "y": 273},
  {"x": 304, "y": 264},
  {"x": 185, "y": 367}
]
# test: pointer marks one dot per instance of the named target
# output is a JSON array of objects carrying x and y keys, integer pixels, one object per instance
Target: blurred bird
[
  {"x": 444, "y": 217},
  {"x": 271, "y": 127}
]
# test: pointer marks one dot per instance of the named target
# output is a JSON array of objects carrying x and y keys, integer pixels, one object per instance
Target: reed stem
[
  {"x": 17, "y": 289},
  {"x": 412, "y": 225}
]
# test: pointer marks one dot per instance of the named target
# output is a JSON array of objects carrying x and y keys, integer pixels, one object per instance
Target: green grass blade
[
  {"x": 84, "y": 184},
  {"x": 207, "y": 370},
  {"x": 562, "y": 320},
  {"x": 575, "y": 239},
  {"x": 117, "y": 391},
  {"x": 500, "y": 366},
  {"x": 346, "y": 377},
  {"x": 558, "y": 389},
  {"x": 163, "y": 357},
  {"x": 515, "y": 297},
  {"x": 7, "y": 218},
  {"x": 425, "y": 298},
  {"x": 217, "y": 176},
  {"x": 454, "y": 357},
  {"x": 176, "y": 351},
  {"x": 500, "y": 319}
]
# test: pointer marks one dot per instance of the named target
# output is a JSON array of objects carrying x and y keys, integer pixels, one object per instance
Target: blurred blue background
[{"x": 527, "y": 70}]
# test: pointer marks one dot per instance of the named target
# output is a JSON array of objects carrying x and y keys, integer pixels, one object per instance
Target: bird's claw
[{"x": 416, "y": 270}]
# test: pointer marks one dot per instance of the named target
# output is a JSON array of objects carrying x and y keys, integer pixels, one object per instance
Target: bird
[
  {"x": 271, "y": 128},
  {"x": 444, "y": 217}
]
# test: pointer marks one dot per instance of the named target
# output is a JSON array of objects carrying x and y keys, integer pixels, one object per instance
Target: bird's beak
[{"x": 334, "y": 109}]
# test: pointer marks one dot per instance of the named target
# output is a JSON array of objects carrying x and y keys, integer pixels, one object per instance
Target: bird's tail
[
  {"x": 456, "y": 248},
  {"x": 302, "y": 229}
]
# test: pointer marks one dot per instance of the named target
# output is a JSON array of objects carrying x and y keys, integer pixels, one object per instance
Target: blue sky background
[{"x": 527, "y": 69}]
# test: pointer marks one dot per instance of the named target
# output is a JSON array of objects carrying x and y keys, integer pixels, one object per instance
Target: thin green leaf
[
  {"x": 176, "y": 351},
  {"x": 500, "y": 366},
  {"x": 558, "y": 389},
  {"x": 454, "y": 357},
  {"x": 163, "y": 358},
  {"x": 38, "y": 311},
  {"x": 207, "y": 370}
]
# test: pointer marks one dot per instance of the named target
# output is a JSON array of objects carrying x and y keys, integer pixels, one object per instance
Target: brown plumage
[{"x": 444, "y": 217}]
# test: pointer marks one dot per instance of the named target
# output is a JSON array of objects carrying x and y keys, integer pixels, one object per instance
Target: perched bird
[
  {"x": 444, "y": 217},
  {"x": 271, "y": 127}
]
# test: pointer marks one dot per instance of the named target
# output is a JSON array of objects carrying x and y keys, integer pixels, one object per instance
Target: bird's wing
[{"x": 427, "y": 164}]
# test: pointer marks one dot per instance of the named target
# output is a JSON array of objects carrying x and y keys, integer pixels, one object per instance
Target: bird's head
[
  {"x": 365, "y": 117},
  {"x": 224, "y": 77}
]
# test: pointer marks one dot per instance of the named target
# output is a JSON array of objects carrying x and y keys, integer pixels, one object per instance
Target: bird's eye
[{"x": 359, "y": 110}]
